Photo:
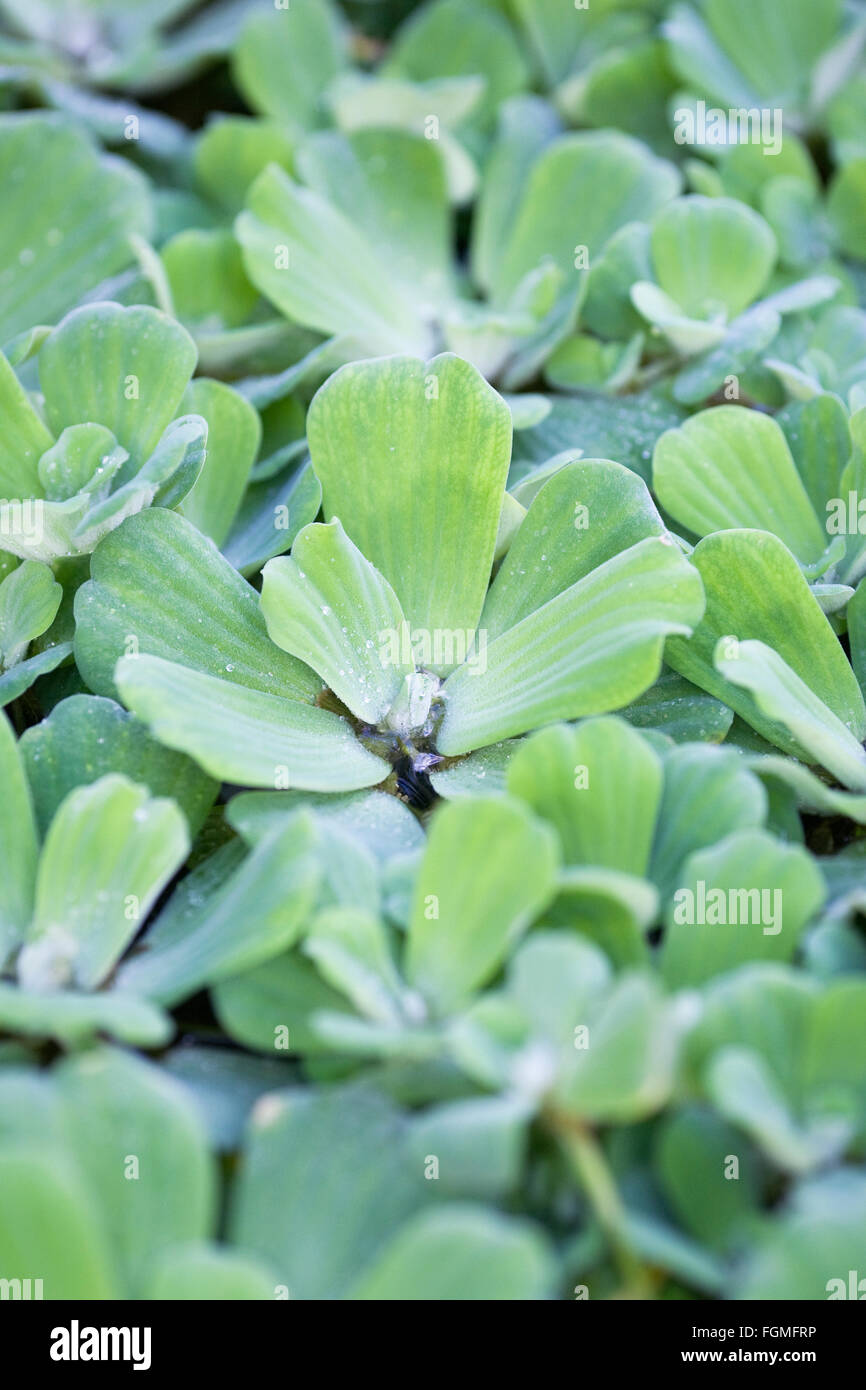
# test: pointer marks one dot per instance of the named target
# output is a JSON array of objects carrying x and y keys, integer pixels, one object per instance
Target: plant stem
[{"x": 592, "y": 1170}]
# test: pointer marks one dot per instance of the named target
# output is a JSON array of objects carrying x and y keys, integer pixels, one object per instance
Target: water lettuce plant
[
  {"x": 432, "y": 650},
  {"x": 422, "y": 658}
]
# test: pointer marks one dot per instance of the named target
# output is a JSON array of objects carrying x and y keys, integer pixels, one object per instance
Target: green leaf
[
  {"x": 599, "y": 785},
  {"x": 808, "y": 1251},
  {"x": 205, "y": 272},
  {"x": 676, "y": 709},
  {"x": 453, "y": 39},
  {"x": 85, "y": 737},
  {"x": 482, "y": 771},
  {"x": 75, "y": 211},
  {"x": 24, "y": 440},
  {"x": 779, "y": 1050},
  {"x": 750, "y": 33},
  {"x": 691, "y": 1158},
  {"x": 29, "y": 600},
  {"x": 708, "y": 794},
  {"x": 233, "y": 437},
  {"x": 351, "y": 950},
  {"x": 164, "y": 480},
  {"x": 284, "y": 60},
  {"x": 487, "y": 871},
  {"x": 158, "y": 586},
  {"x": 687, "y": 336},
  {"x": 232, "y": 151},
  {"x": 224, "y": 1084},
  {"x": 120, "y": 1111},
  {"x": 711, "y": 254},
  {"x": 627, "y": 88},
  {"x": 664, "y": 1246},
  {"x": 846, "y": 207},
  {"x": 84, "y": 459},
  {"x": 526, "y": 125},
  {"x": 585, "y": 514},
  {"x": 552, "y": 978},
  {"x": 552, "y": 35},
  {"x": 748, "y": 898},
  {"x": 309, "y": 259},
  {"x": 744, "y": 340},
  {"x": 360, "y": 102},
  {"x": 730, "y": 468},
  {"x": 391, "y": 185},
  {"x": 109, "y": 852},
  {"x": 820, "y": 443},
  {"x": 255, "y": 915},
  {"x": 744, "y": 1090},
  {"x": 272, "y": 1006},
  {"x": 762, "y": 1007},
  {"x": 612, "y": 908},
  {"x": 328, "y": 606},
  {"x": 240, "y": 734},
  {"x": 608, "y": 309},
  {"x": 19, "y": 844},
  {"x": 611, "y": 1048},
  {"x": 125, "y": 368},
  {"x": 591, "y": 649},
  {"x": 461, "y": 1252},
  {"x": 480, "y": 1144},
  {"x": 809, "y": 791},
  {"x": 609, "y": 177},
  {"x": 755, "y": 590},
  {"x": 49, "y": 1221},
  {"x": 627, "y": 1070},
  {"x": 784, "y": 697},
  {"x": 624, "y": 428},
  {"x": 413, "y": 458},
  {"x": 316, "y": 1221},
  {"x": 271, "y": 515},
  {"x": 381, "y": 823},
  {"x": 73, "y": 1018},
  {"x": 198, "y": 1272}
]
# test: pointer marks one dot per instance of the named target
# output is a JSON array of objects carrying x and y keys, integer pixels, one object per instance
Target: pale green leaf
[
  {"x": 109, "y": 852},
  {"x": 487, "y": 871},
  {"x": 85, "y": 737},
  {"x": 240, "y": 734},
  {"x": 599, "y": 785},
  {"x": 121, "y": 1110},
  {"x": 316, "y": 1220},
  {"x": 158, "y": 586},
  {"x": 254, "y": 915},
  {"x": 49, "y": 1221},
  {"x": 328, "y": 606},
  {"x": 284, "y": 60},
  {"x": 413, "y": 458},
  {"x": 124, "y": 368},
  {"x": 29, "y": 600},
  {"x": 591, "y": 649},
  {"x": 233, "y": 438},
  {"x": 312, "y": 262},
  {"x": 69, "y": 224},
  {"x": 461, "y": 1252},
  {"x": 585, "y": 514},
  {"x": 19, "y": 844},
  {"x": 610, "y": 178},
  {"x": 755, "y": 590},
  {"x": 730, "y": 468},
  {"x": 746, "y": 899},
  {"x": 711, "y": 254},
  {"x": 784, "y": 697}
]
